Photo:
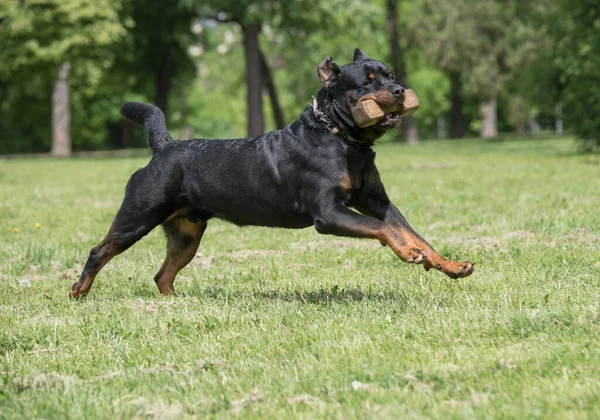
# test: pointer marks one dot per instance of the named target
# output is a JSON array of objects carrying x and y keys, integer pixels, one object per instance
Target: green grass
[{"x": 282, "y": 323}]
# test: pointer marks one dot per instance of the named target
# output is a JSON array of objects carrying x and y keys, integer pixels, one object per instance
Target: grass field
[{"x": 277, "y": 323}]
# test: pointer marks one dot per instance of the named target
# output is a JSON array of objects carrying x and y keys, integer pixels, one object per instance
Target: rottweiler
[{"x": 313, "y": 172}]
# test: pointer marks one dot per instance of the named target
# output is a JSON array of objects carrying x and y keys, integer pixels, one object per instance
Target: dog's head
[{"x": 360, "y": 80}]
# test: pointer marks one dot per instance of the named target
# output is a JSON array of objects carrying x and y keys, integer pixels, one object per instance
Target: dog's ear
[
  {"x": 359, "y": 55},
  {"x": 328, "y": 70}
]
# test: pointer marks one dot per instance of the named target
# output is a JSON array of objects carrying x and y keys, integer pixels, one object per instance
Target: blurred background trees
[{"x": 479, "y": 67}]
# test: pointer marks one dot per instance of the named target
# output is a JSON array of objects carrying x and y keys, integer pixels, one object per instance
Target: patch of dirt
[
  {"x": 203, "y": 262},
  {"x": 440, "y": 224},
  {"x": 72, "y": 273},
  {"x": 37, "y": 349},
  {"x": 499, "y": 243},
  {"x": 304, "y": 266},
  {"x": 245, "y": 254},
  {"x": 254, "y": 397},
  {"x": 478, "y": 228},
  {"x": 149, "y": 305},
  {"x": 157, "y": 409},
  {"x": 48, "y": 318},
  {"x": 519, "y": 234},
  {"x": 359, "y": 386},
  {"x": 95, "y": 204},
  {"x": 341, "y": 244},
  {"x": 349, "y": 264},
  {"x": 416, "y": 384},
  {"x": 430, "y": 165},
  {"x": 580, "y": 235},
  {"x": 475, "y": 399},
  {"x": 81, "y": 237},
  {"x": 306, "y": 399},
  {"x": 47, "y": 380}
]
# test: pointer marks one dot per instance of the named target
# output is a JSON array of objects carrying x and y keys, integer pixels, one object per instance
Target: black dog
[{"x": 307, "y": 174}]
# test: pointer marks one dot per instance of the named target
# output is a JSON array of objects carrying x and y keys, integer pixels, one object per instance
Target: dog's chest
[{"x": 351, "y": 180}]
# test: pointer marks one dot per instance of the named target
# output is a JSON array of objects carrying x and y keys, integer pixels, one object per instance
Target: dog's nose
[{"x": 398, "y": 91}]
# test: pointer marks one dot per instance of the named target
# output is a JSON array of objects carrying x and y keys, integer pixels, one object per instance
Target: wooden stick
[{"x": 368, "y": 113}]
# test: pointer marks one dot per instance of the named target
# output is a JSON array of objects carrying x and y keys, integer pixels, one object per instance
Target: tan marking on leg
[
  {"x": 188, "y": 228},
  {"x": 174, "y": 216},
  {"x": 178, "y": 254},
  {"x": 403, "y": 245},
  {"x": 108, "y": 252}
]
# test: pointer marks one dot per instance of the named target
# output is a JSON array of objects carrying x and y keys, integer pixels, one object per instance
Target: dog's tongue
[{"x": 390, "y": 119}]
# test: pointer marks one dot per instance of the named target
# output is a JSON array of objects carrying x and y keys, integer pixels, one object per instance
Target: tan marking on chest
[{"x": 346, "y": 184}]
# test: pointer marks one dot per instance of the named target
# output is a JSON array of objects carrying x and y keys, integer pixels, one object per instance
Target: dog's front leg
[
  {"x": 340, "y": 221},
  {"x": 374, "y": 202}
]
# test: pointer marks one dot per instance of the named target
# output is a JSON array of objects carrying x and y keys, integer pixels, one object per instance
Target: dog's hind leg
[
  {"x": 120, "y": 237},
  {"x": 183, "y": 239},
  {"x": 136, "y": 217}
]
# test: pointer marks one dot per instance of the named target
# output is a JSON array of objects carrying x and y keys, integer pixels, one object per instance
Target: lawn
[{"x": 280, "y": 323}]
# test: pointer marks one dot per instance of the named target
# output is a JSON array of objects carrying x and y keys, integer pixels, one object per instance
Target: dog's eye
[{"x": 369, "y": 82}]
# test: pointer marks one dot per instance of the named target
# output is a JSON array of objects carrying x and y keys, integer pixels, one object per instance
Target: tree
[
  {"x": 254, "y": 79},
  {"x": 575, "y": 57},
  {"x": 249, "y": 15},
  {"x": 156, "y": 49},
  {"x": 61, "y": 114},
  {"x": 286, "y": 21},
  {"x": 482, "y": 46},
  {"x": 409, "y": 127},
  {"x": 39, "y": 38}
]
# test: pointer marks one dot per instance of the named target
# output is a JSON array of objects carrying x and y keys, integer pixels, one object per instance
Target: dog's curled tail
[{"x": 153, "y": 120}]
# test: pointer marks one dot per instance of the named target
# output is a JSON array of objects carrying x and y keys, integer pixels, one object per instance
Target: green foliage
[
  {"x": 215, "y": 101},
  {"x": 488, "y": 43},
  {"x": 432, "y": 88},
  {"x": 576, "y": 57},
  {"x": 38, "y": 36},
  {"x": 529, "y": 55}
]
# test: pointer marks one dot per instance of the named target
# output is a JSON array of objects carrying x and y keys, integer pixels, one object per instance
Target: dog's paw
[
  {"x": 457, "y": 270},
  {"x": 76, "y": 291}
]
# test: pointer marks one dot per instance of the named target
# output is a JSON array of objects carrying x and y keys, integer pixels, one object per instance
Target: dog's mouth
[{"x": 389, "y": 120}]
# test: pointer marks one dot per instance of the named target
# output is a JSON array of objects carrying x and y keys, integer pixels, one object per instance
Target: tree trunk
[
  {"x": 409, "y": 128},
  {"x": 61, "y": 114},
  {"x": 269, "y": 84},
  {"x": 489, "y": 118},
  {"x": 164, "y": 78},
  {"x": 186, "y": 132},
  {"x": 534, "y": 126},
  {"x": 254, "y": 80},
  {"x": 457, "y": 118},
  {"x": 441, "y": 127},
  {"x": 558, "y": 124},
  {"x": 125, "y": 134}
]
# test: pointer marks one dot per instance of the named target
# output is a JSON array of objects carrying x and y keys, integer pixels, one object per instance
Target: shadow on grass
[
  {"x": 315, "y": 297},
  {"x": 399, "y": 299}
]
